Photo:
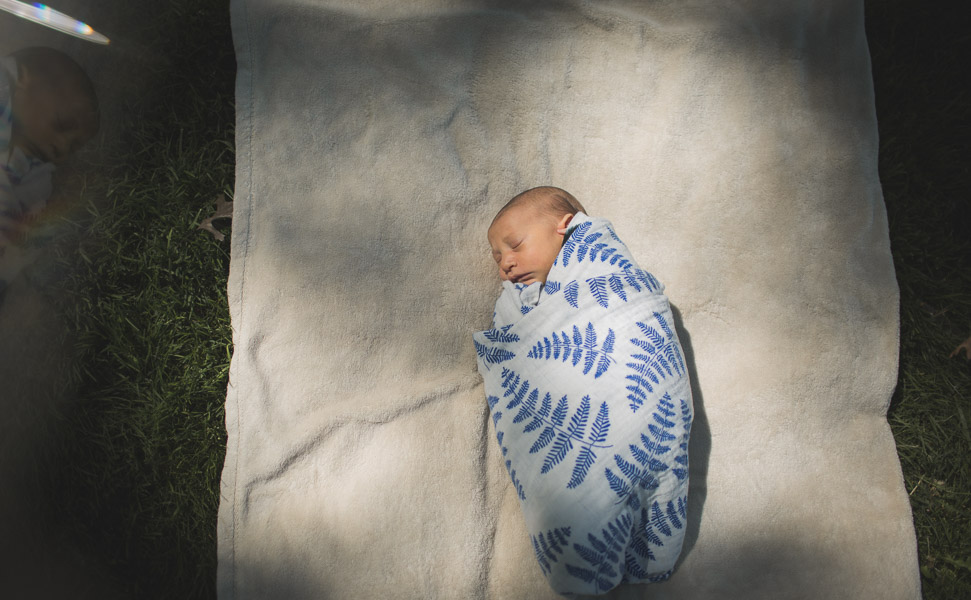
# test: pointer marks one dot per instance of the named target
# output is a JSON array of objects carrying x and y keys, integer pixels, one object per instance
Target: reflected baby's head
[
  {"x": 527, "y": 233},
  {"x": 54, "y": 106}
]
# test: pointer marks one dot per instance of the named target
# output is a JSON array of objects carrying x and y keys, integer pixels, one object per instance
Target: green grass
[
  {"x": 924, "y": 114},
  {"x": 135, "y": 477}
]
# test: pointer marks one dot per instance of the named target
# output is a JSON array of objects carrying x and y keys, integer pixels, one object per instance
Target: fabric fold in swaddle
[{"x": 591, "y": 401}]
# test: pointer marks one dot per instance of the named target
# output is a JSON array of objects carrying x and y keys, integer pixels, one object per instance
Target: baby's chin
[{"x": 528, "y": 280}]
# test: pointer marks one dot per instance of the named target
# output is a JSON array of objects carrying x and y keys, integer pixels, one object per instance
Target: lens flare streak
[{"x": 47, "y": 16}]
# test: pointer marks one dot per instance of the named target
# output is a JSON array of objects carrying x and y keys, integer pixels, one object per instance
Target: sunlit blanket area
[
  {"x": 241, "y": 362},
  {"x": 733, "y": 146}
]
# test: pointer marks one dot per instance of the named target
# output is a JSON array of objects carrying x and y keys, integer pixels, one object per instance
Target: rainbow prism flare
[{"x": 47, "y": 16}]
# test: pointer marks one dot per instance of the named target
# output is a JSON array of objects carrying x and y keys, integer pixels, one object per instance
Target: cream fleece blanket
[{"x": 732, "y": 144}]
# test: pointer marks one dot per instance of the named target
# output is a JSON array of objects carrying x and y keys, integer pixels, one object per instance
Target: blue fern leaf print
[
  {"x": 656, "y": 524},
  {"x": 535, "y": 424},
  {"x": 543, "y": 440},
  {"x": 572, "y": 294},
  {"x": 598, "y": 287},
  {"x": 586, "y": 246},
  {"x": 579, "y": 420},
  {"x": 547, "y": 545},
  {"x": 518, "y": 395},
  {"x": 673, "y": 517},
  {"x": 515, "y": 480},
  {"x": 551, "y": 287},
  {"x": 601, "y": 555},
  {"x": 596, "y": 249},
  {"x": 647, "y": 463},
  {"x": 578, "y": 423},
  {"x": 492, "y": 356},
  {"x": 598, "y": 435},
  {"x": 584, "y": 461},
  {"x": 561, "y": 446},
  {"x": 496, "y": 414},
  {"x": 618, "y": 484},
  {"x": 571, "y": 243},
  {"x": 527, "y": 407},
  {"x": 559, "y": 415},
  {"x": 601, "y": 425},
  {"x": 640, "y": 544},
  {"x": 617, "y": 287},
  {"x": 560, "y": 346},
  {"x": 661, "y": 359},
  {"x": 633, "y": 567},
  {"x": 544, "y": 410},
  {"x": 613, "y": 235},
  {"x": 501, "y": 335},
  {"x": 603, "y": 363},
  {"x": 559, "y": 430},
  {"x": 681, "y": 470},
  {"x": 659, "y": 521},
  {"x": 649, "y": 280}
]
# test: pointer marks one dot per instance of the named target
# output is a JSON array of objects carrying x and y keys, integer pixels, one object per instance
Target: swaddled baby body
[{"x": 588, "y": 391}]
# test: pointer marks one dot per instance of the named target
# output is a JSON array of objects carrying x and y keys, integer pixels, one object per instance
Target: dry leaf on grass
[
  {"x": 224, "y": 210},
  {"x": 966, "y": 345}
]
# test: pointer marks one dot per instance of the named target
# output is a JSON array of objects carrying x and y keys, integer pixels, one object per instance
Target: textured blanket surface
[
  {"x": 733, "y": 146},
  {"x": 591, "y": 401}
]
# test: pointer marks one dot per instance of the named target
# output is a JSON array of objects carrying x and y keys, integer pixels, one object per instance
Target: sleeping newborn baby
[{"x": 589, "y": 394}]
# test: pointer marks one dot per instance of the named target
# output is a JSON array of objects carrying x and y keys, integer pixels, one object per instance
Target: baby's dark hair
[
  {"x": 57, "y": 68},
  {"x": 553, "y": 201}
]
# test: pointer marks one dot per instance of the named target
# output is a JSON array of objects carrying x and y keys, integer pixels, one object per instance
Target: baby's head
[
  {"x": 54, "y": 106},
  {"x": 528, "y": 232}
]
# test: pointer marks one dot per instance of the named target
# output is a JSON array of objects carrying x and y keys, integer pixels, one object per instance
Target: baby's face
[
  {"x": 51, "y": 123},
  {"x": 525, "y": 242}
]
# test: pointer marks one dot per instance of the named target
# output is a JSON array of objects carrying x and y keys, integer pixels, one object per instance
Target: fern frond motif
[
  {"x": 656, "y": 524},
  {"x": 613, "y": 234},
  {"x": 571, "y": 243},
  {"x": 617, "y": 286},
  {"x": 562, "y": 346},
  {"x": 551, "y": 287},
  {"x": 680, "y": 469},
  {"x": 598, "y": 287},
  {"x": 572, "y": 294},
  {"x": 591, "y": 247},
  {"x": 601, "y": 554},
  {"x": 556, "y": 432},
  {"x": 647, "y": 465},
  {"x": 640, "y": 279},
  {"x": 493, "y": 355},
  {"x": 501, "y": 335},
  {"x": 547, "y": 545},
  {"x": 496, "y": 417},
  {"x": 661, "y": 359},
  {"x": 515, "y": 480}
]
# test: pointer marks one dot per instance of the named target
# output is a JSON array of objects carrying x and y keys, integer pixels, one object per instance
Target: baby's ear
[{"x": 563, "y": 223}]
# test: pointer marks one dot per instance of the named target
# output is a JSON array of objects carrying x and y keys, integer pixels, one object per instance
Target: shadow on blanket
[
  {"x": 762, "y": 567},
  {"x": 699, "y": 447}
]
